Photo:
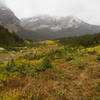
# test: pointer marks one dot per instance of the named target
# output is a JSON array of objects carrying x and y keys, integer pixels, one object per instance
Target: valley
[
  {"x": 51, "y": 70},
  {"x": 47, "y": 57}
]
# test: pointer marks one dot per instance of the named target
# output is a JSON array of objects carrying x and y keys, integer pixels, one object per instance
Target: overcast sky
[{"x": 87, "y": 10}]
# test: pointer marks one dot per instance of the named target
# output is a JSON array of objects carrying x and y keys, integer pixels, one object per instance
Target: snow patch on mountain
[
  {"x": 33, "y": 20},
  {"x": 54, "y": 23}
]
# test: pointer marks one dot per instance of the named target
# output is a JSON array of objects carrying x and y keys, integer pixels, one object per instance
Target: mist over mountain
[
  {"x": 51, "y": 27},
  {"x": 8, "y": 19},
  {"x": 51, "y": 22},
  {"x": 2, "y": 3},
  {"x": 13, "y": 24},
  {"x": 44, "y": 26}
]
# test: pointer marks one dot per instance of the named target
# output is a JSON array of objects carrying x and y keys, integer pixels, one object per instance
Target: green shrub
[
  {"x": 45, "y": 64},
  {"x": 98, "y": 58},
  {"x": 22, "y": 69},
  {"x": 69, "y": 58},
  {"x": 92, "y": 52},
  {"x": 61, "y": 93},
  {"x": 10, "y": 65},
  {"x": 54, "y": 53},
  {"x": 33, "y": 57},
  {"x": 79, "y": 63}
]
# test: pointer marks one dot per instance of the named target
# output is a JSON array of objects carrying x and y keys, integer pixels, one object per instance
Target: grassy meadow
[{"x": 50, "y": 70}]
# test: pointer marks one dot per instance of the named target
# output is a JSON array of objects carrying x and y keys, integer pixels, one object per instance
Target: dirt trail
[{"x": 8, "y": 56}]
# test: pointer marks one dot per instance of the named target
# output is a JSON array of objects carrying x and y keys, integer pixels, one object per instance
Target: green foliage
[
  {"x": 69, "y": 58},
  {"x": 92, "y": 52},
  {"x": 33, "y": 57},
  {"x": 80, "y": 75},
  {"x": 86, "y": 40},
  {"x": 45, "y": 64},
  {"x": 61, "y": 93},
  {"x": 10, "y": 65},
  {"x": 79, "y": 63},
  {"x": 22, "y": 69},
  {"x": 11, "y": 48},
  {"x": 98, "y": 58},
  {"x": 7, "y": 38}
]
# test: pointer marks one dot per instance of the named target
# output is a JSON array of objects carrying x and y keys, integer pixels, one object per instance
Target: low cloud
[
  {"x": 87, "y": 10},
  {"x": 2, "y": 3}
]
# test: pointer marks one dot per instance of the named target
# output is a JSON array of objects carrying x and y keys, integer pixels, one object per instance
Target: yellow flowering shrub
[
  {"x": 27, "y": 42},
  {"x": 13, "y": 95},
  {"x": 4, "y": 64},
  {"x": 3, "y": 78},
  {"x": 91, "y": 50},
  {"x": 49, "y": 42}
]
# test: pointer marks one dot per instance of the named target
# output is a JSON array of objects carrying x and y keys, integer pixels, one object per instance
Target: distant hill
[
  {"x": 7, "y": 38},
  {"x": 85, "y": 40}
]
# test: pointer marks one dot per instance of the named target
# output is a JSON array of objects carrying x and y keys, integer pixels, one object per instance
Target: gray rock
[
  {"x": 2, "y": 49},
  {"x": 12, "y": 55}
]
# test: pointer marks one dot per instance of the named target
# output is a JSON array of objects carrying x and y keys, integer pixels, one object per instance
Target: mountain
[
  {"x": 12, "y": 23},
  {"x": 8, "y": 19},
  {"x": 55, "y": 27},
  {"x": 53, "y": 23},
  {"x": 45, "y": 27}
]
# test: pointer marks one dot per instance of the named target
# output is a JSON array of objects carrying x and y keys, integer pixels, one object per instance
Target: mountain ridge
[
  {"x": 45, "y": 27},
  {"x": 8, "y": 19},
  {"x": 58, "y": 27},
  {"x": 46, "y": 21}
]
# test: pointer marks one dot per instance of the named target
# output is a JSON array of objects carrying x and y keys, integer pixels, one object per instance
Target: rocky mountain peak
[
  {"x": 8, "y": 19},
  {"x": 54, "y": 23}
]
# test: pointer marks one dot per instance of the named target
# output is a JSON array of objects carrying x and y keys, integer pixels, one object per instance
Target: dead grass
[{"x": 62, "y": 82}]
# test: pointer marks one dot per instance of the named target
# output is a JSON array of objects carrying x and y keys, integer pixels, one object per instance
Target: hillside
[
  {"x": 8, "y": 19},
  {"x": 85, "y": 40},
  {"x": 7, "y": 38},
  {"x": 45, "y": 27},
  {"x": 52, "y": 70},
  {"x": 51, "y": 27}
]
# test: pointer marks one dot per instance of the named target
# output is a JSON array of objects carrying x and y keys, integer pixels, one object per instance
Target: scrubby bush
[
  {"x": 61, "y": 93},
  {"x": 69, "y": 58},
  {"x": 79, "y": 63},
  {"x": 10, "y": 65},
  {"x": 98, "y": 58},
  {"x": 45, "y": 64},
  {"x": 23, "y": 68}
]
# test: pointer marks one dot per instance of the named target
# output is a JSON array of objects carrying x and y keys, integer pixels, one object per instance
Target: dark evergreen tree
[{"x": 7, "y": 38}]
